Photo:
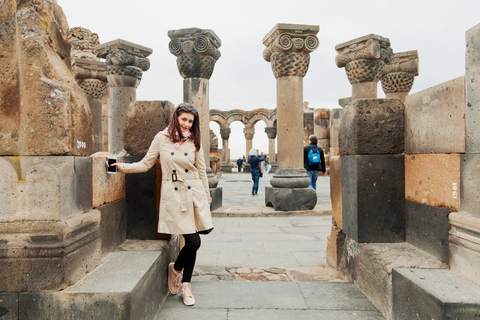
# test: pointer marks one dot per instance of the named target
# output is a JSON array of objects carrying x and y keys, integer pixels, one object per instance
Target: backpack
[{"x": 313, "y": 158}]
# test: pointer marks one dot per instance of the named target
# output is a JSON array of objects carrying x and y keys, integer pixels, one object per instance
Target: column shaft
[
  {"x": 121, "y": 97},
  {"x": 271, "y": 150}
]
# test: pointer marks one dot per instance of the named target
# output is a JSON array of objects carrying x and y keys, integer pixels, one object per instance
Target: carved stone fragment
[{"x": 399, "y": 74}]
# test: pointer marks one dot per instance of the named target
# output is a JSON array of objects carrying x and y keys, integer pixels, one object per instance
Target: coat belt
[{"x": 183, "y": 178}]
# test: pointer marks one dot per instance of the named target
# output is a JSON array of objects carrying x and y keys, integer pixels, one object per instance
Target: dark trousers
[
  {"x": 188, "y": 254},
  {"x": 239, "y": 168}
]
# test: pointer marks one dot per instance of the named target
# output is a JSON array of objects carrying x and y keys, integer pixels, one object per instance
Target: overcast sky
[{"x": 242, "y": 79}]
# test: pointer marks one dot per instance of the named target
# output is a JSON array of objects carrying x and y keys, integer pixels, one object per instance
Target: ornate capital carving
[
  {"x": 364, "y": 58},
  {"x": 125, "y": 62},
  {"x": 288, "y": 49},
  {"x": 271, "y": 132},
  {"x": 91, "y": 77},
  {"x": 93, "y": 88},
  {"x": 196, "y": 51},
  {"x": 399, "y": 74},
  {"x": 249, "y": 133},
  {"x": 225, "y": 133}
]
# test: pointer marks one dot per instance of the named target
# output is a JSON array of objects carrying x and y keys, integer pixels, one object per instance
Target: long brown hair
[{"x": 174, "y": 130}]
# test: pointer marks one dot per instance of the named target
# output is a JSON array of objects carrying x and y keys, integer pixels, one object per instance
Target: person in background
[
  {"x": 269, "y": 166},
  {"x": 263, "y": 168},
  {"x": 239, "y": 164},
  {"x": 254, "y": 162},
  {"x": 313, "y": 161},
  {"x": 185, "y": 204}
]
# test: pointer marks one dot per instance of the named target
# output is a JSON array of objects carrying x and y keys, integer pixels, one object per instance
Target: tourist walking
[
  {"x": 185, "y": 197},
  {"x": 254, "y": 162},
  {"x": 239, "y": 164},
  {"x": 313, "y": 161}
]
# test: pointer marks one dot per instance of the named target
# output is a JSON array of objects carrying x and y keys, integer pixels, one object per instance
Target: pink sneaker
[
  {"x": 186, "y": 293},
  {"x": 173, "y": 278}
]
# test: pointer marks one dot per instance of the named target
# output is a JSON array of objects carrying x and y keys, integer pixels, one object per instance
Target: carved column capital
[
  {"x": 364, "y": 58},
  {"x": 90, "y": 76},
  {"x": 225, "y": 133},
  {"x": 196, "y": 51},
  {"x": 399, "y": 74},
  {"x": 271, "y": 132},
  {"x": 288, "y": 49},
  {"x": 249, "y": 132},
  {"x": 125, "y": 62}
]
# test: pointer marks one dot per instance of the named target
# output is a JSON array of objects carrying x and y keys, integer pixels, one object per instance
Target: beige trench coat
[{"x": 185, "y": 197}]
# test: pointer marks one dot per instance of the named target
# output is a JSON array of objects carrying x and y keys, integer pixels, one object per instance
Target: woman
[
  {"x": 254, "y": 161},
  {"x": 185, "y": 198},
  {"x": 268, "y": 167}
]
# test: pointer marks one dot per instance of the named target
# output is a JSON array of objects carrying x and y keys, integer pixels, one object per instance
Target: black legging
[{"x": 187, "y": 256}]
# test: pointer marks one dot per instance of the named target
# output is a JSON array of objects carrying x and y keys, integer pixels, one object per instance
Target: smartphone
[{"x": 112, "y": 169}]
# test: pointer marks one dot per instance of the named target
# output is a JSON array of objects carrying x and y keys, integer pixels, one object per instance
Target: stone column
[
  {"x": 272, "y": 134},
  {"x": 92, "y": 78},
  {"x": 125, "y": 63},
  {"x": 288, "y": 48},
  {"x": 226, "y": 166},
  {"x": 364, "y": 59},
  {"x": 321, "y": 128},
  {"x": 399, "y": 74},
  {"x": 249, "y": 132},
  {"x": 197, "y": 51}
]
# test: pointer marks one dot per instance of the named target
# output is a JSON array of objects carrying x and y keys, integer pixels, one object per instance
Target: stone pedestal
[
  {"x": 399, "y": 74},
  {"x": 373, "y": 198},
  {"x": 364, "y": 59},
  {"x": 288, "y": 49},
  {"x": 125, "y": 64}
]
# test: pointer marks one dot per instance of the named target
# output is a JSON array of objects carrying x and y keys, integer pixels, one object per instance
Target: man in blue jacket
[
  {"x": 239, "y": 164},
  {"x": 313, "y": 161}
]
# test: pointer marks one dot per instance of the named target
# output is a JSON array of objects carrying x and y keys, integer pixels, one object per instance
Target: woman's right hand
[{"x": 116, "y": 164}]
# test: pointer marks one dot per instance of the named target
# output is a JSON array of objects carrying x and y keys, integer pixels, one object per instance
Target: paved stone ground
[{"x": 268, "y": 267}]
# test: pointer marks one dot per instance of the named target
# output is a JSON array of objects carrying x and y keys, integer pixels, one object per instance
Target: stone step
[
  {"x": 130, "y": 283},
  {"x": 433, "y": 294}
]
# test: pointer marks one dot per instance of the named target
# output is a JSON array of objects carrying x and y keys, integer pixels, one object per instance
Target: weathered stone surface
[
  {"x": 373, "y": 192},
  {"x": 106, "y": 187},
  {"x": 433, "y": 294},
  {"x": 112, "y": 225},
  {"x": 9, "y": 306},
  {"x": 48, "y": 255},
  {"x": 44, "y": 188},
  {"x": 427, "y": 229},
  {"x": 336, "y": 190},
  {"x": 465, "y": 245},
  {"x": 83, "y": 42},
  {"x": 335, "y": 241},
  {"x": 472, "y": 90},
  {"x": 144, "y": 120},
  {"x": 217, "y": 196},
  {"x": 469, "y": 183},
  {"x": 435, "y": 119},
  {"x": 44, "y": 111},
  {"x": 434, "y": 180},
  {"x": 335, "y": 120},
  {"x": 290, "y": 199},
  {"x": 142, "y": 209},
  {"x": 372, "y": 126}
]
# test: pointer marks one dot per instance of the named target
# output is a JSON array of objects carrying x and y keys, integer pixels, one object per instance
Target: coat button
[
  {"x": 174, "y": 171},
  {"x": 189, "y": 187},
  {"x": 186, "y": 154},
  {"x": 172, "y": 153},
  {"x": 176, "y": 188},
  {"x": 186, "y": 170}
]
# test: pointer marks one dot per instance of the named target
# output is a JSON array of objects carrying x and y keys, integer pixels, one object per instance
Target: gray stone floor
[{"x": 266, "y": 242}]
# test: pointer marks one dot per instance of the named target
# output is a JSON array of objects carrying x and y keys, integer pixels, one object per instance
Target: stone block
[
  {"x": 226, "y": 167},
  {"x": 44, "y": 188},
  {"x": 465, "y": 245},
  {"x": 435, "y": 119},
  {"x": 217, "y": 198},
  {"x": 372, "y": 126},
  {"x": 373, "y": 198},
  {"x": 334, "y": 247},
  {"x": 141, "y": 204},
  {"x": 427, "y": 229},
  {"x": 112, "y": 225},
  {"x": 321, "y": 122},
  {"x": 336, "y": 190},
  {"x": 48, "y": 255},
  {"x": 433, "y": 294},
  {"x": 472, "y": 90},
  {"x": 290, "y": 199},
  {"x": 106, "y": 187},
  {"x": 9, "y": 306},
  {"x": 143, "y": 121},
  {"x": 469, "y": 183},
  {"x": 434, "y": 180},
  {"x": 44, "y": 111}
]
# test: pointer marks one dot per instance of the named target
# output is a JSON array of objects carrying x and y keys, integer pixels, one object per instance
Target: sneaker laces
[
  {"x": 187, "y": 290},
  {"x": 176, "y": 277}
]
